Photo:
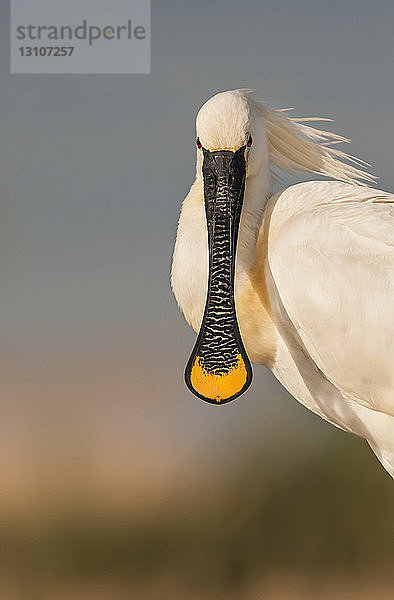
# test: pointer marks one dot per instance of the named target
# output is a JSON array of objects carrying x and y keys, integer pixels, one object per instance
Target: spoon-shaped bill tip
[{"x": 218, "y": 387}]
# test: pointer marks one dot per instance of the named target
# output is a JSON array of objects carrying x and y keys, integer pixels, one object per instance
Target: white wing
[{"x": 331, "y": 253}]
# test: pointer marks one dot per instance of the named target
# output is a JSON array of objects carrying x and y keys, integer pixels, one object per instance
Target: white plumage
[{"x": 314, "y": 286}]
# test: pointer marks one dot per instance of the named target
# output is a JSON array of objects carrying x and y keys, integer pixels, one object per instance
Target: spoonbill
[{"x": 301, "y": 281}]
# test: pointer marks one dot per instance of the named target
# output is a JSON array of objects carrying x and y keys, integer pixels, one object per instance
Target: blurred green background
[{"x": 115, "y": 482}]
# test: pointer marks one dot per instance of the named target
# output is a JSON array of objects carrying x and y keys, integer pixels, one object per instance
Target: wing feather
[{"x": 331, "y": 253}]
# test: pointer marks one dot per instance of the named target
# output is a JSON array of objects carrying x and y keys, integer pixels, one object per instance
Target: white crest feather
[{"x": 294, "y": 146}]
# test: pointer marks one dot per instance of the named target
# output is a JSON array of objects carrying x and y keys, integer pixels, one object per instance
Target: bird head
[
  {"x": 238, "y": 141},
  {"x": 229, "y": 121},
  {"x": 219, "y": 369}
]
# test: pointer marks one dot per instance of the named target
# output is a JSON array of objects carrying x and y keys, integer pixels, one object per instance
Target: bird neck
[
  {"x": 251, "y": 289},
  {"x": 257, "y": 191}
]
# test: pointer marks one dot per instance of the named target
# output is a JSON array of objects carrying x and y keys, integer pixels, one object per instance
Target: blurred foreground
[{"x": 117, "y": 485}]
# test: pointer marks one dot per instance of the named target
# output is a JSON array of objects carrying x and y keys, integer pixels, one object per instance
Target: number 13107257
[{"x": 46, "y": 50}]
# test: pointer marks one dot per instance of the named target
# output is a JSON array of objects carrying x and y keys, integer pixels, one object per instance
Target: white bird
[{"x": 308, "y": 290}]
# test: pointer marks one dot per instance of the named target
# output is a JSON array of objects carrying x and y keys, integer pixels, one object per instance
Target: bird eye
[
  {"x": 250, "y": 141},
  {"x": 198, "y": 143}
]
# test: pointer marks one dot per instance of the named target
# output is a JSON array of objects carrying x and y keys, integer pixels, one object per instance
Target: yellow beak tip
[{"x": 218, "y": 387}]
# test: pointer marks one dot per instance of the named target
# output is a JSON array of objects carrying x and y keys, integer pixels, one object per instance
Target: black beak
[{"x": 218, "y": 369}]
